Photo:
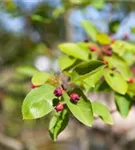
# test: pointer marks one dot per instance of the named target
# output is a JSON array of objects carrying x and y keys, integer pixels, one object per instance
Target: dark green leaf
[
  {"x": 102, "y": 111},
  {"x": 38, "y": 102},
  {"x": 87, "y": 67},
  {"x": 58, "y": 123},
  {"x": 82, "y": 110}
]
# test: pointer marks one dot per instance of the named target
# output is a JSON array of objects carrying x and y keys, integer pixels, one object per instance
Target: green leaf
[
  {"x": 93, "y": 78},
  {"x": 98, "y": 4},
  {"x": 116, "y": 81},
  {"x": 26, "y": 70},
  {"x": 87, "y": 67},
  {"x": 40, "y": 78},
  {"x": 120, "y": 65},
  {"x": 82, "y": 110},
  {"x": 38, "y": 102},
  {"x": 58, "y": 123},
  {"x": 90, "y": 29},
  {"x": 120, "y": 47},
  {"x": 85, "y": 70},
  {"x": 102, "y": 111},
  {"x": 66, "y": 61},
  {"x": 123, "y": 104},
  {"x": 103, "y": 39},
  {"x": 74, "y": 50},
  {"x": 133, "y": 30}
]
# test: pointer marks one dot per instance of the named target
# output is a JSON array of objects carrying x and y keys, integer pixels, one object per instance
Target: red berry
[
  {"x": 74, "y": 97},
  {"x": 133, "y": 70},
  {"x": 108, "y": 53},
  {"x": 126, "y": 36},
  {"x": 58, "y": 92},
  {"x": 59, "y": 107},
  {"x": 92, "y": 48},
  {"x": 131, "y": 80},
  {"x": 34, "y": 86}
]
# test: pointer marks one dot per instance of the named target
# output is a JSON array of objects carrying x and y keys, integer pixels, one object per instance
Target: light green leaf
[
  {"x": 58, "y": 123},
  {"x": 120, "y": 47},
  {"x": 102, "y": 111},
  {"x": 38, "y": 102},
  {"x": 82, "y": 110},
  {"x": 103, "y": 39},
  {"x": 90, "y": 29},
  {"x": 66, "y": 61},
  {"x": 116, "y": 81},
  {"x": 40, "y": 78},
  {"x": 74, "y": 50},
  {"x": 123, "y": 104},
  {"x": 26, "y": 70},
  {"x": 98, "y": 4},
  {"x": 120, "y": 65}
]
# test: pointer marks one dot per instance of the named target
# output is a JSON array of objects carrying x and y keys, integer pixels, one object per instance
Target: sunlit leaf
[
  {"x": 40, "y": 78},
  {"x": 38, "y": 102},
  {"x": 103, "y": 39},
  {"x": 123, "y": 104},
  {"x": 74, "y": 50},
  {"x": 116, "y": 81},
  {"x": 82, "y": 110},
  {"x": 102, "y": 111},
  {"x": 66, "y": 61}
]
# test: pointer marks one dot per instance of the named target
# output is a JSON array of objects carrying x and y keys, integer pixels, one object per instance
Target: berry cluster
[{"x": 74, "y": 97}]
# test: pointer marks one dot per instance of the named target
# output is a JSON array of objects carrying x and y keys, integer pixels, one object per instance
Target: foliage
[{"x": 87, "y": 65}]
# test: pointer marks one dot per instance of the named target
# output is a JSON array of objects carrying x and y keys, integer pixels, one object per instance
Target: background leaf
[
  {"x": 90, "y": 29},
  {"x": 38, "y": 102},
  {"x": 82, "y": 110},
  {"x": 58, "y": 123},
  {"x": 102, "y": 111}
]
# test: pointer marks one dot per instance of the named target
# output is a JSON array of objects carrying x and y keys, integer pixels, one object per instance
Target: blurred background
[{"x": 30, "y": 31}]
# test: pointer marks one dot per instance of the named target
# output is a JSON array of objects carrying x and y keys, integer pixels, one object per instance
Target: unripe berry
[
  {"x": 34, "y": 86},
  {"x": 59, "y": 107},
  {"x": 92, "y": 48},
  {"x": 131, "y": 80},
  {"x": 58, "y": 92},
  {"x": 74, "y": 97},
  {"x": 108, "y": 53}
]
